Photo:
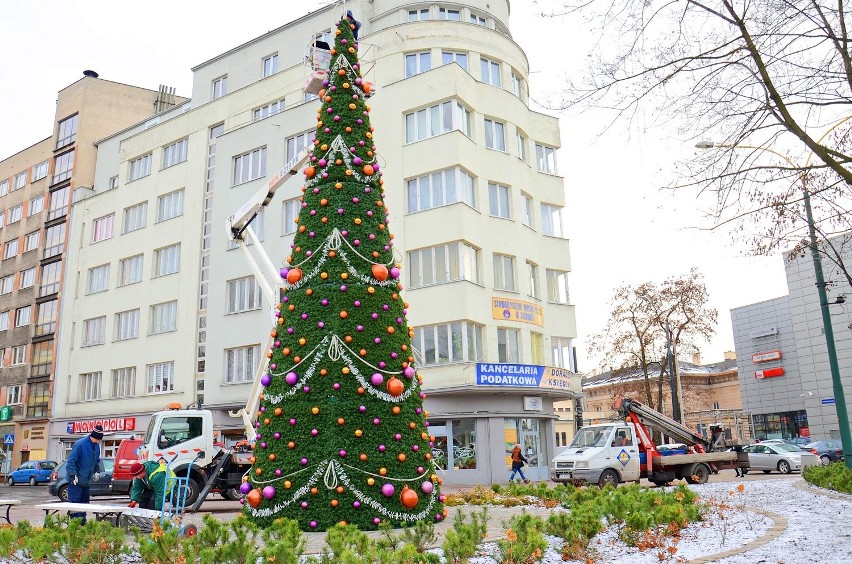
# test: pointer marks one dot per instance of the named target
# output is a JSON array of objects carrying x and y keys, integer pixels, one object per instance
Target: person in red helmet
[{"x": 152, "y": 482}]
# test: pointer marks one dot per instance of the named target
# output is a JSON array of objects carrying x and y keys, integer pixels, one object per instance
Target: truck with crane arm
[
  {"x": 625, "y": 451},
  {"x": 185, "y": 436}
]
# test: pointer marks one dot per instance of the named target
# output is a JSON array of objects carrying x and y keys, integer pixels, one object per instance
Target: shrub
[
  {"x": 524, "y": 542},
  {"x": 835, "y": 476},
  {"x": 461, "y": 540}
]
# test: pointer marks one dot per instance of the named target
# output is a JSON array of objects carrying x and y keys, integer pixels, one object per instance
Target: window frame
[
  {"x": 504, "y": 272},
  {"x": 469, "y": 351},
  {"x": 545, "y": 158},
  {"x": 499, "y": 200},
  {"x": 244, "y": 361},
  {"x": 170, "y": 206},
  {"x": 140, "y": 167},
  {"x": 122, "y": 271},
  {"x": 97, "y": 279},
  {"x": 103, "y": 228},
  {"x": 94, "y": 332},
  {"x": 162, "y": 261},
  {"x": 163, "y": 318},
  {"x": 126, "y": 324},
  {"x": 435, "y": 120},
  {"x": 491, "y": 72},
  {"x": 255, "y": 167},
  {"x": 440, "y": 188},
  {"x": 495, "y": 135},
  {"x": 443, "y": 264},
  {"x": 417, "y": 62},
  {"x": 174, "y": 153},
  {"x": 511, "y": 343}
]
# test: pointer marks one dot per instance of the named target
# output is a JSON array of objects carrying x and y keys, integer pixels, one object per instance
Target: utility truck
[
  {"x": 186, "y": 435},
  {"x": 624, "y": 451}
]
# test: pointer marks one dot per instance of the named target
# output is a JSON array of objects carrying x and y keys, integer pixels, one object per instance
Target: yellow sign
[{"x": 516, "y": 310}]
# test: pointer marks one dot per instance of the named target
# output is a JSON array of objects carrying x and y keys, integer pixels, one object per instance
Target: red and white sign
[
  {"x": 769, "y": 372},
  {"x": 767, "y": 356},
  {"x": 111, "y": 424}
]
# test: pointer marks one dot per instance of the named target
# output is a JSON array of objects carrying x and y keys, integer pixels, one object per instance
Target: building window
[
  {"x": 31, "y": 241},
  {"x": 54, "y": 240},
  {"x": 36, "y": 206},
  {"x": 7, "y": 284},
  {"x": 169, "y": 206},
  {"x": 448, "y": 57},
  {"x": 250, "y": 166},
  {"x": 130, "y": 270},
  {"x": 270, "y": 65},
  {"x": 418, "y": 15},
  {"x": 15, "y": 214},
  {"x": 38, "y": 399},
  {"x": 478, "y": 20},
  {"x": 269, "y": 109},
  {"x": 310, "y": 97},
  {"x": 490, "y": 71},
  {"x": 495, "y": 135},
  {"x": 161, "y": 377},
  {"x": 536, "y": 348},
  {"x": 220, "y": 87},
  {"x": 560, "y": 352},
  {"x": 139, "y": 168},
  {"x": 175, "y": 153},
  {"x": 20, "y": 181},
  {"x": 94, "y": 331},
  {"x": 124, "y": 382},
  {"x": 167, "y": 260},
  {"x": 528, "y": 209},
  {"x": 102, "y": 228},
  {"x": 504, "y": 272},
  {"x": 67, "y": 133},
  {"x": 2, "y": 218},
  {"x": 28, "y": 278},
  {"x": 522, "y": 146},
  {"x": 498, "y": 201},
  {"x": 19, "y": 355},
  {"x": 241, "y": 364},
  {"x": 4, "y": 320},
  {"x": 10, "y": 250},
  {"x": 127, "y": 325},
  {"x": 715, "y": 405},
  {"x": 243, "y": 295},
  {"x": 4, "y": 187},
  {"x": 439, "y": 189},
  {"x": 98, "y": 279},
  {"x": 545, "y": 158},
  {"x": 39, "y": 171},
  {"x": 459, "y": 341},
  {"x": 557, "y": 286},
  {"x": 416, "y": 63},
  {"x": 296, "y": 143},
  {"x": 516, "y": 84},
  {"x": 51, "y": 275},
  {"x": 435, "y": 120},
  {"x": 163, "y": 318},
  {"x": 113, "y": 182},
  {"x": 508, "y": 345},
  {"x": 444, "y": 263},
  {"x": 291, "y": 212},
  {"x": 90, "y": 386},
  {"x": 63, "y": 167},
  {"x": 135, "y": 217},
  {"x": 449, "y": 14},
  {"x": 46, "y": 320},
  {"x": 535, "y": 292},
  {"x": 551, "y": 221},
  {"x": 58, "y": 203},
  {"x": 13, "y": 395}
]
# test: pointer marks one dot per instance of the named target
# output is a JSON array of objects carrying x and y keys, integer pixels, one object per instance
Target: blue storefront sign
[
  {"x": 524, "y": 376},
  {"x": 827, "y": 401}
]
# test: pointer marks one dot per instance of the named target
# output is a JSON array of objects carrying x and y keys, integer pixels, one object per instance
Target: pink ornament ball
[
  {"x": 291, "y": 378},
  {"x": 376, "y": 520},
  {"x": 269, "y": 492},
  {"x": 377, "y": 379},
  {"x": 356, "y": 504},
  {"x": 304, "y": 505},
  {"x": 394, "y": 272},
  {"x": 265, "y": 380},
  {"x": 388, "y": 490},
  {"x": 408, "y": 372},
  {"x": 313, "y": 524},
  {"x": 427, "y": 487}
]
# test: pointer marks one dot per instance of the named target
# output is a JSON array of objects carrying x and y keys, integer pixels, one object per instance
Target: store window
[
  {"x": 464, "y": 444},
  {"x": 529, "y": 433}
]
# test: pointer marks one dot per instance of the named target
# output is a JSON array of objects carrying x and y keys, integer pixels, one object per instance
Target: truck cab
[{"x": 599, "y": 454}]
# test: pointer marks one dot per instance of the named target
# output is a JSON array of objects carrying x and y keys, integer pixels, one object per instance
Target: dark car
[
  {"x": 32, "y": 473},
  {"x": 827, "y": 451},
  {"x": 59, "y": 480}
]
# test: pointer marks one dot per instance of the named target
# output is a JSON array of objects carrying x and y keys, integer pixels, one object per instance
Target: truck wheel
[
  {"x": 608, "y": 476},
  {"x": 699, "y": 474},
  {"x": 231, "y": 494}
]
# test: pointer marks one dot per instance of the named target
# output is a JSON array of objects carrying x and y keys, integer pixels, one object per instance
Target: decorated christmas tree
[{"x": 342, "y": 435}]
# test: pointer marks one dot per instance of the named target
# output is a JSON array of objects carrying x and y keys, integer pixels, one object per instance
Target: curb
[
  {"x": 775, "y": 531},
  {"x": 806, "y": 486}
]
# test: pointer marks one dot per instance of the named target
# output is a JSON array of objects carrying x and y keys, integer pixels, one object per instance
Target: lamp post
[{"x": 839, "y": 396}]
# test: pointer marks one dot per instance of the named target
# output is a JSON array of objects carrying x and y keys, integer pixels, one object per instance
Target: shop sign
[
  {"x": 5, "y": 413},
  {"x": 767, "y": 332},
  {"x": 525, "y": 376},
  {"x": 769, "y": 373},
  {"x": 533, "y": 403},
  {"x": 827, "y": 401},
  {"x": 111, "y": 424},
  {"x": 516, "y": 310},
  {"x": 767, "y": 356}
]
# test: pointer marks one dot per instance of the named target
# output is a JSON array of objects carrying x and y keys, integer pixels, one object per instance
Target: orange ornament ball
[
  {"x": 395, "y": 387},
  {"x": 310, "y": 171},
  {"x": 294, "y": 275},
  {"x": 380, "y": 272},
  {"x": 368, "y": 170},
  {"x": 367, "y": 87},
  {"x": 408, "y": 498},
  {"x": 253, "y": 498}
]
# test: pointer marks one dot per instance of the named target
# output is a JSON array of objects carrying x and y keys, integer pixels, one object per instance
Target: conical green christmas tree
[{"x": 342, "y": 434}]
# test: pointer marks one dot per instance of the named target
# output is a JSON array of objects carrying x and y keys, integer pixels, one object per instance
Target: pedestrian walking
[
  {"x": 82, "y": 469},
  {"x": 518, "y": 461}
]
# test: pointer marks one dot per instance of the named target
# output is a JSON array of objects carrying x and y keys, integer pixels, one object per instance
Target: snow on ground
[{"x": 818, "y": 529}]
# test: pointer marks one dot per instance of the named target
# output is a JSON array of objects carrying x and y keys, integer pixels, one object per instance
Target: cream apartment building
[
  {"x": 36, "y": 185},
  {"x": 475, "y": 199}
]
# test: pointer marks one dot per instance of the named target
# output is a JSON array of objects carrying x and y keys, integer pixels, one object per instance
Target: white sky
[{"x": 623, "y": 229}]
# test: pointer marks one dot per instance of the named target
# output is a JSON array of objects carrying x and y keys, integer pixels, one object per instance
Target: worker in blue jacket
[{"x": 82, "y": 468}]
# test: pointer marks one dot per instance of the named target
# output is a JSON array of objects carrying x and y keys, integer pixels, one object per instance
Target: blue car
[{"x": 32, "y": 472}]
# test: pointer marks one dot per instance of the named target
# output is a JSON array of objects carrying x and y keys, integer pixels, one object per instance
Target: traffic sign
[
  {"x": 9, "y": 439},
  {"x": 827, "y": 401}
]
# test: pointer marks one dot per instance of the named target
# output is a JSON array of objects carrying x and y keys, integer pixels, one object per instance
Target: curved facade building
[{"x": 476, "y": 204}]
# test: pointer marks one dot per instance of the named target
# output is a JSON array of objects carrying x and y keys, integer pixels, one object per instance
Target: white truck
[{"x": 624, "y": 451}]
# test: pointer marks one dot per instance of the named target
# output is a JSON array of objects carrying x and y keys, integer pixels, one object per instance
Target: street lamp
[{"x": 839, "y": 396}]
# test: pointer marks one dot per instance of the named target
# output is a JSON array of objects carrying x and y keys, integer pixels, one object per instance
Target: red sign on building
[
  {"x": 769, "y": 372},
  {"x": 111, "y": 424}
]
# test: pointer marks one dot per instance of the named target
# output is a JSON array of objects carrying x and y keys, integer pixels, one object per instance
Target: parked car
[
  {"x": 32, "y": 472},
  {"x": 800, "y": 442},
  {"x": 59, "y": 481},
  {"x": 768, "y": 457},
  {"x": 125, "y": 456},
  {"x": 827, "y": 451}
]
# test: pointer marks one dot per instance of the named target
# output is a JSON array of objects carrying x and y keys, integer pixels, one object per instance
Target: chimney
[
  {"x": 730, "y": 355},
  {"x": 90, "y": 73},
  {"x": 696, "y": 359}
]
